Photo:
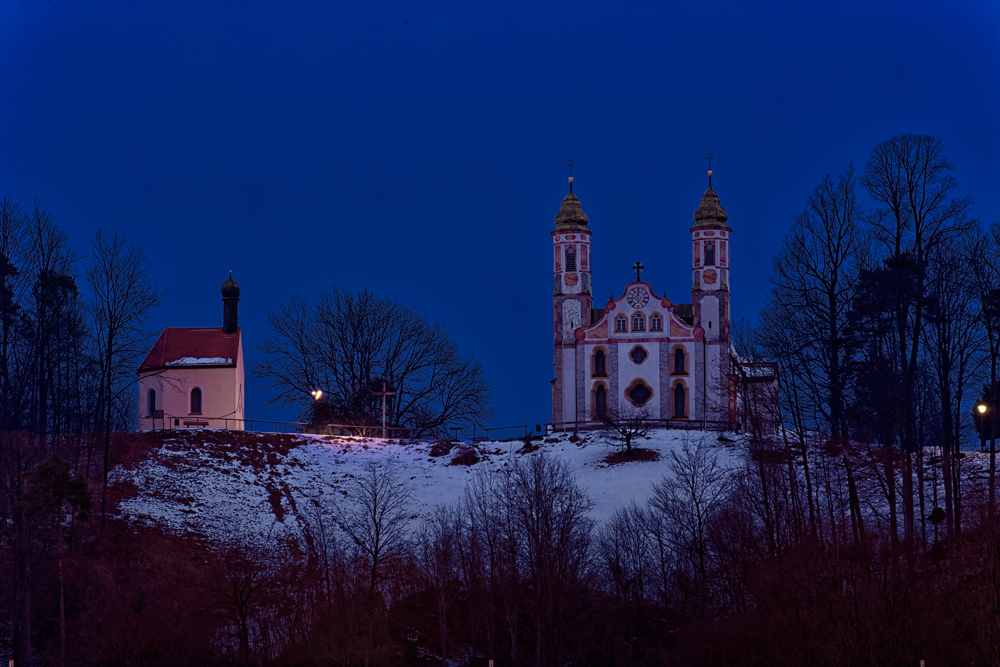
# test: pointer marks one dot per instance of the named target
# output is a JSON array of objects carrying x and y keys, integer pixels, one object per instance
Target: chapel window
[
  {"x": 621, "y": 324},
  {"x": 196, "y": 401},
  {"x": 600, "y": 363},
  {"x": 638, "y": 322},
  {"x": 679, "y": 360},
  {"x": 151, "y": 402},
  {"x": 571, "y": 258},
  {"x": 679, "y": 400},
  {"x": 655, "y": 323},
  {"x": 601, "y": 402},
  {"x": 709, "y": 254}
]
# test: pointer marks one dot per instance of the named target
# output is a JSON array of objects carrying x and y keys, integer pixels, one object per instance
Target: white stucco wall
[{"x": 222, "y": 397}]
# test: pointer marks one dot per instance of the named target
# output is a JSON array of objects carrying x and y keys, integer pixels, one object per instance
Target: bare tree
[
  {"x": 348, "y": 344},
  {"x": 688, "y": 499},
  {"x": 376, "y": 521},
  {"x": 909, "y": 178},
  {"x": 626, "y": 425},
  {"x": 123, "y": 297}
]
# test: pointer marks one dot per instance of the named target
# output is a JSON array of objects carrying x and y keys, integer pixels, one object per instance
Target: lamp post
[{"x": 981, "y": 408}]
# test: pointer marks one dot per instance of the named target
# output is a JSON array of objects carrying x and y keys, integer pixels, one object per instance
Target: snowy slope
[{"x": 202, "y": 483}]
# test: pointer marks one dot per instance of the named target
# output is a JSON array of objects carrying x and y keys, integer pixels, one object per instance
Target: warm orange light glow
[
  {"x": 981, "y": 408},
  {"x": 316, "y": 393}
]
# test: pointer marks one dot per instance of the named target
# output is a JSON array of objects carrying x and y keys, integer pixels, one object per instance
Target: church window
[
  {"x": 151, "y": 402},
  {"x": 600, "y": 363},
  {"x": 621, "y": 324},
  {"x": 571, "y": 258},
  {"x": 709, "y": 254},
  {"x": 679, "y": 400},
  {"x": 601, "y": 402},
  {"x": 638, "y": 322},
  {"x": 655, "y": 322},
  {"x": 638, "y": 393},
  {"x": 679, "y": 360},
  {"x": 196, "y": 401},
  {"x": 638, "y": 354}
]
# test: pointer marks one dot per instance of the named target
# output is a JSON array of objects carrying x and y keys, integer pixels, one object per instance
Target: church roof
[
  {"x": 193, "y": 347},
  {"x": 571, "y": 213},
  {"x": 710, "y": 213}
]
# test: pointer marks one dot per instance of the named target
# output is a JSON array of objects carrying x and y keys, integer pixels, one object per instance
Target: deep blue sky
[{"x": 416, "y": 149}]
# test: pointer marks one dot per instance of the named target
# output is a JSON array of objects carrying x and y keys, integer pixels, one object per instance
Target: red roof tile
[{"x": 192, "y": 342}]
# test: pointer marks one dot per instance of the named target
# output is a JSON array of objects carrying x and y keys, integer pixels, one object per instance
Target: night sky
[{"x": 417, "y": 149}]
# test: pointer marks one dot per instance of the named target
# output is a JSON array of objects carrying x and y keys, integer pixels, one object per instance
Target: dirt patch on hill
[{"x": 637, "y": 454}]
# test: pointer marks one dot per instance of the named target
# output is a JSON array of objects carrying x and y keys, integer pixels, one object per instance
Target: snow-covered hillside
[{"x": 223, "y": 484}]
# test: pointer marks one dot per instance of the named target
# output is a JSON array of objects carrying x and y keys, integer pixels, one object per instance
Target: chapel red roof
[{"x": 193, "y": 347}]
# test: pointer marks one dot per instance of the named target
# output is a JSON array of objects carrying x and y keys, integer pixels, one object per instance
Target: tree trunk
[{"x": 890, "y": 485}]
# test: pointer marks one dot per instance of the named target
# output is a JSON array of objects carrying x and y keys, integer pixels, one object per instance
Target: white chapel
[{"x": 193, "y": 377}]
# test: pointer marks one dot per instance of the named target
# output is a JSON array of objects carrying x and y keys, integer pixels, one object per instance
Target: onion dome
[
  {"x": 571, "y": 214},
  {"x": 230, "y": 289},
  {"x": 710, "y": 213}
]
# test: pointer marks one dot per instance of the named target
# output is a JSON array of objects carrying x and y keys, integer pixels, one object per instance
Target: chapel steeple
[{"x": 230, "y": 305}]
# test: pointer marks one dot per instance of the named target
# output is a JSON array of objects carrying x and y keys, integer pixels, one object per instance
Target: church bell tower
[
  {"x": 571, "y": 300},
  {"x": 710, "y": 295}
]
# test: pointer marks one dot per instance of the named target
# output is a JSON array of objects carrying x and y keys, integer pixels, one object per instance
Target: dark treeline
[
  {"x": 722, "y": 566},
  {"x": 70, "y": 342}
]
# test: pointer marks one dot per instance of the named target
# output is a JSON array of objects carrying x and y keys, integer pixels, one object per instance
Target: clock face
[{"x": 638, "y": 297}]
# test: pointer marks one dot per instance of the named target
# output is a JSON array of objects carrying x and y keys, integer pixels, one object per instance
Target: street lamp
[
  {"x": 316, "y": 393},
  {"x": 982, "y": 426}
]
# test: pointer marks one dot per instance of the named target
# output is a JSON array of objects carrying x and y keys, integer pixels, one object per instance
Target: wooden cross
[
  {"x": 637, "y": 267},
  {"x": 383, "y": 394}
]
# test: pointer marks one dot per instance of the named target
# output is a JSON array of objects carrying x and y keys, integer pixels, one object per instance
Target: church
[
  {"x": 641, "y": 355},
  {"x": 193, "y": 377}
]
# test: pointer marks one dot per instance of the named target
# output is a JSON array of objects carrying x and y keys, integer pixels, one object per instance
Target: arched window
[
  {"x": 601, "y": 402},
  {"x": 679, "y": 400},
  {"x": 655, "y": 322},
  {"x": 571, "y": 258},
  {"x": 151, "y": 402},
  {"x": 600, "y": 363},
  {"x": 679, "y": 360},
  {"x": 196, "y": 401},
  {"x": 638, "y": 322},
  {"x": 709, "y": 254},
  {"x": 621, "y": 324}
]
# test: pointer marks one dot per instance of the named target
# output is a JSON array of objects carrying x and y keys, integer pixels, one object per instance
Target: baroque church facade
[{"x": 641, "y": 354}]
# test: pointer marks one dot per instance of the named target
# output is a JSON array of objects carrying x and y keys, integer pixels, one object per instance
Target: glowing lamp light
[
  {"x": 316, "y": 393},
  {"x": 981, "y": 408}
]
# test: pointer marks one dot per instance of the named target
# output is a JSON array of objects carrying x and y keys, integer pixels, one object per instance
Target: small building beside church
[
  {"x": 193, "y": 376},
  {"x": 641, "y": 353}
]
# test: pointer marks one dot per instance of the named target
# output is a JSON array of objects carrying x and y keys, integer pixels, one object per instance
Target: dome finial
[
  {"x": 710, "y": 157},
  {"x": 570, "y": 163}
]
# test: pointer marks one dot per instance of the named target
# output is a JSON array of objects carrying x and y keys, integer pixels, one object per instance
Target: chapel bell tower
[{"x": 230, "y": 305}]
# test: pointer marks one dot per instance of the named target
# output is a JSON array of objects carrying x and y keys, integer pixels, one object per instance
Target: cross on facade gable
[{"x": 638, "y": 267}]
